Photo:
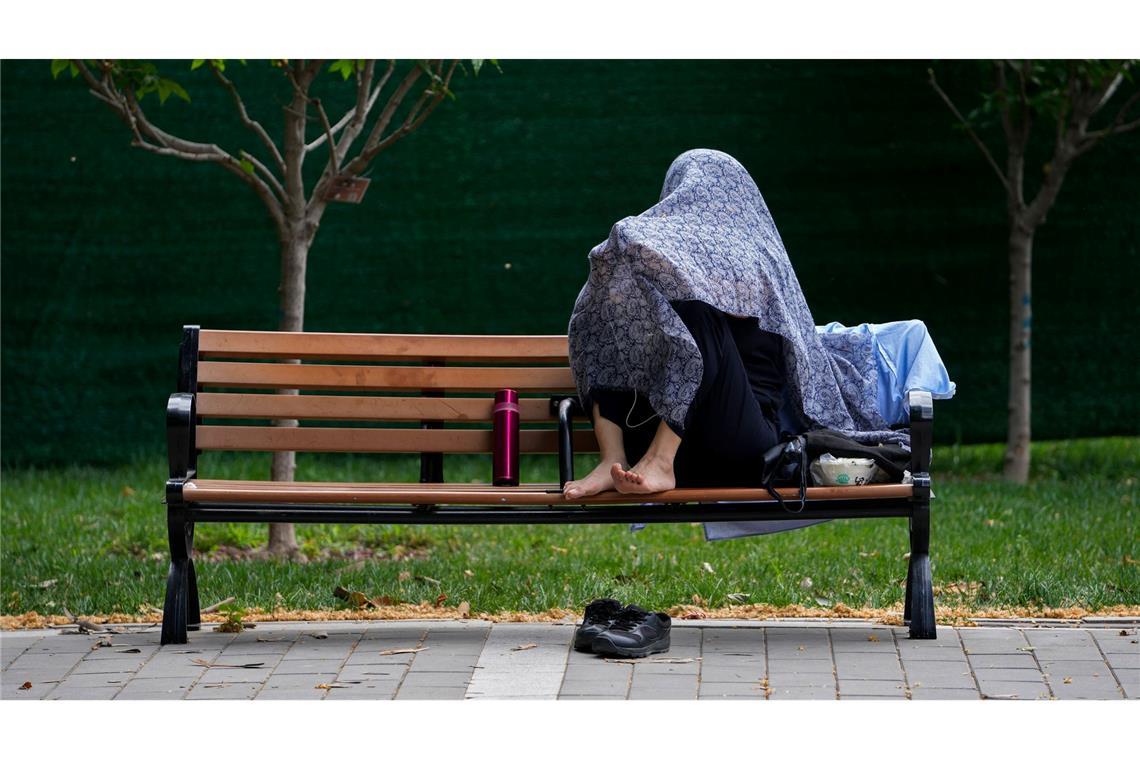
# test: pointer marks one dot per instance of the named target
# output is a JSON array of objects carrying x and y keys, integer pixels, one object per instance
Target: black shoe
[
  {"x": 600, "y": 613},
  {"x": 635, "y": 633}
]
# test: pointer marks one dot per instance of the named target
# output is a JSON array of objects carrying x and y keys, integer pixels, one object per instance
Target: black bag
[{"x": 786, "y": 463}]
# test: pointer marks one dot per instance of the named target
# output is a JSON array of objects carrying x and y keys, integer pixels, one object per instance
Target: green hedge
[{"x": 886, "y": 211}]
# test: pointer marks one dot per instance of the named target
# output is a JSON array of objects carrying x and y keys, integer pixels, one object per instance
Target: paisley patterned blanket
[{"x": 711, "y": 238}]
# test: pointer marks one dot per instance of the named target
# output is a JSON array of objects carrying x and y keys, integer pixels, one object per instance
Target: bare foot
[
  {"x": 597, "y": 481},
  {"x": 650, "y": 475}
]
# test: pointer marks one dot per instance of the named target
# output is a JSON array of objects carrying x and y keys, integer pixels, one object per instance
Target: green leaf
[
  {"x": 476, "y": 64},
  {"x": 177, "y": 89},
  {"x": 246, "y": 166},
  {"x": 197, "y": 63},
  {"x": 344, "y": 66},
  {"x": 58, "y": 66}
]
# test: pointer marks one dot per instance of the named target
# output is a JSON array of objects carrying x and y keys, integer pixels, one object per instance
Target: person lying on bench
[{"x": 693, "y": 349}]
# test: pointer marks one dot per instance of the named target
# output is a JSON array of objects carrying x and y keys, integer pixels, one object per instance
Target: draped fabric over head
[{"x": 711, "y": 238}]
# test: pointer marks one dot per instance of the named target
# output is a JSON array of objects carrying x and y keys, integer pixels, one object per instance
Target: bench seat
[{"x": 528, "y": 494}]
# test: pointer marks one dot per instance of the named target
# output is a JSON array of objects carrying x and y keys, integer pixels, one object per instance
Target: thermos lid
[{"x": 507, "y": 394}]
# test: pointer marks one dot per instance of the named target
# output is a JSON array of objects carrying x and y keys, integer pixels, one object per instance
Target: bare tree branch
[
  {"x": 151, "y": 138},
  {"x": 970, "y": 131},
  {"x": 252, "y": 124},
  {"x": 370, "y": 148},
  {"x": 334, "y": 164},
  {"x": 1117, "y": 126}
]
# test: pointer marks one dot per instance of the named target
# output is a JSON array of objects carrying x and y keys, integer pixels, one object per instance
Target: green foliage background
[{"x": 887, "y": 212}]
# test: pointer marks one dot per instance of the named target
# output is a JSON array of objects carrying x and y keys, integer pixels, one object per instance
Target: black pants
[{"x": 726, "y": 429}]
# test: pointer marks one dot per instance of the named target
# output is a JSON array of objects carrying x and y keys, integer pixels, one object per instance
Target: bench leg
[
  {"x": 918, "y": 609},
  {"x": 193, "y": 609},
  {"x": 176, "y": 609}
]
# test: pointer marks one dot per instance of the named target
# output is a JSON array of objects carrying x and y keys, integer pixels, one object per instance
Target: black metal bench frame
[{"x": 181, "y": 611}]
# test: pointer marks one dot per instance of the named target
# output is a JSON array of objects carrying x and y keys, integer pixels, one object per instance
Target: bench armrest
[
  {"x": 180, "y": 449},
  {"x": 921, "y": 405},
  {"x": 566, "y": 407}
]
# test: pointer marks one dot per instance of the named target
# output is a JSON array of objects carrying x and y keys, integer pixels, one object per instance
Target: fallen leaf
[
  {"x": 708, "y": 568},
  {"x": 440, "y": 599},
  {"x": 694, "y": 615},
  {"x": 216, "y": 606},
  {"x": 1129, "y": 561},
  {"x": 559, "y": 549},
  {"x": 697, "y": 600},
  {"x": 469, "y": 573},
  {"x": 1027, "y": 649},
  {"x": 521, "y": 647},
  {"x": 1124, "y": 633},
  {"x": 270, "y": 638},
  {"x": 801, "y": 648},
  {"x": 387, "y": 652},
  {"x": 737, "y": 598},
  {"x": 128, "y": 491},
  {"x": 464, "y": 609},
  {"x": 355, "y": 598},
  {"x": 330, "y": 686},
  {"x": 805, "y": 584},
  {"x": 869, "y": 554},
  {"x": 872, "y": 637},
  {"x": 319, "y": 635},
  {"x": 822, "y": 602},
  {"x": 405, "y": 575},
  {"x": 25, "y": 685},
  {"x": 426, "y": 579},
  {"x": 130, "y": 651},
  {"x": 1068, "y": 680},
  {"x": 101, "y": 643},
  {"x": 44, "y": 584}
]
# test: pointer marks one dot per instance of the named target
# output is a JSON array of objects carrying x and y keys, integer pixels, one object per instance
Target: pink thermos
[{"x": 505, "y": 423}]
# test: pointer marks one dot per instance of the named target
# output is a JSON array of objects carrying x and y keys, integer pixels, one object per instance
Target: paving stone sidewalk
[{"x": 481, "y": 660}]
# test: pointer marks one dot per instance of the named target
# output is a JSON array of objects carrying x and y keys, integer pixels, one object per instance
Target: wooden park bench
[{"x": 438, "y": 389}]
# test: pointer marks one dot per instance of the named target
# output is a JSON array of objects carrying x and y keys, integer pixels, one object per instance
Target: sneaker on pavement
[
  {"x": 635, "y": 633},
  {"x": 600, "y": 613}
]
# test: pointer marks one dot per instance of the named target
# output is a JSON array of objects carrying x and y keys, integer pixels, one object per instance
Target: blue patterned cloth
[{"x": 711, "y": 238}]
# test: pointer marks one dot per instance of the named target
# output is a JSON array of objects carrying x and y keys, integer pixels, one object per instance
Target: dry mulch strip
[{"x": 945, "y": 615}]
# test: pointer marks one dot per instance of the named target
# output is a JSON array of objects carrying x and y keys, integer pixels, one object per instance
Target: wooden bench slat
[
  {"x": 251, "y": 344},
  {"x": 375, "y": 440},
  {"x": 203, "y": 490},
  {"x": 378, "y": 408},
  {"x": 364, "y": 377}
]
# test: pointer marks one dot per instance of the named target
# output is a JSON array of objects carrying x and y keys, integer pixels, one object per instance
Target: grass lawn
[{"x": 93, "y": 540}]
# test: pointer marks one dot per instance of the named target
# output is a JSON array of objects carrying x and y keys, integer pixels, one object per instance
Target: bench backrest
[{"x": 379, "y": 383}]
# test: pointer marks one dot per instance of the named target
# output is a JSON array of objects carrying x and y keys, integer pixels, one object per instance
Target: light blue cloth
[{"x": 905, "y": 360}]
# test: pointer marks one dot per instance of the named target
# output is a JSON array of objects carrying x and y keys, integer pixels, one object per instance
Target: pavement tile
[
  {"x": 1085, "y": 687},
  {"x": 734, "y": 675},
  {"x": 362, "y": 691},
  {"x": 861, "y": 687},
  {"x": 1045, "y": 637},
  {"x": 437, "y": 678},
  {"x": 866, "y": 697},
  {"x": 581, "y": 697},
  {"x": 49, "y": 661},
  {"x": 11, "y": 689},
  {"x": 163, "y": 685},
  {"x": 377, "y": 672},
  {"x": 234, "y": 675},
  {"x": 302, "y": 667},
  {"x": 430, "y": 692},
  {"x": 802, "y": 681},
  {"x": 801, "y": 692},
  {"x": 922, "y": 692},
  {"x": 127, "y": 665},
  {"x": 800, "y": 666},
  {"x": 1118, "y": 660},
  {"x": 1013, "y": 690},
  {"x": 874, "y": 669},
  {"x": 1130, "y": 682},
  {"x": 1019, "y": 660},
  {"x": 299, "y": 680},
  {"x": 1076, "y": 668},
  {"x": 67, "y": 691},
  {"x": 224, "y": 691},
  {"x": 1009, "y": 674},
  {"x": 309, "y": 694},
  {"x": 1089, "y": 653}
]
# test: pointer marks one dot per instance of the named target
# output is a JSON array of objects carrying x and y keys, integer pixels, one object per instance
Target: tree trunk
[
  {"x": 291, "y": 291},
  {"x": 1020, "y": 328}
]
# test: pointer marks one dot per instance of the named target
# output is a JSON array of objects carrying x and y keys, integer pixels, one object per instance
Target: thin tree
[
  {"x": 1036, "y": 102},
  {"x": 347, "y": 144}
]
